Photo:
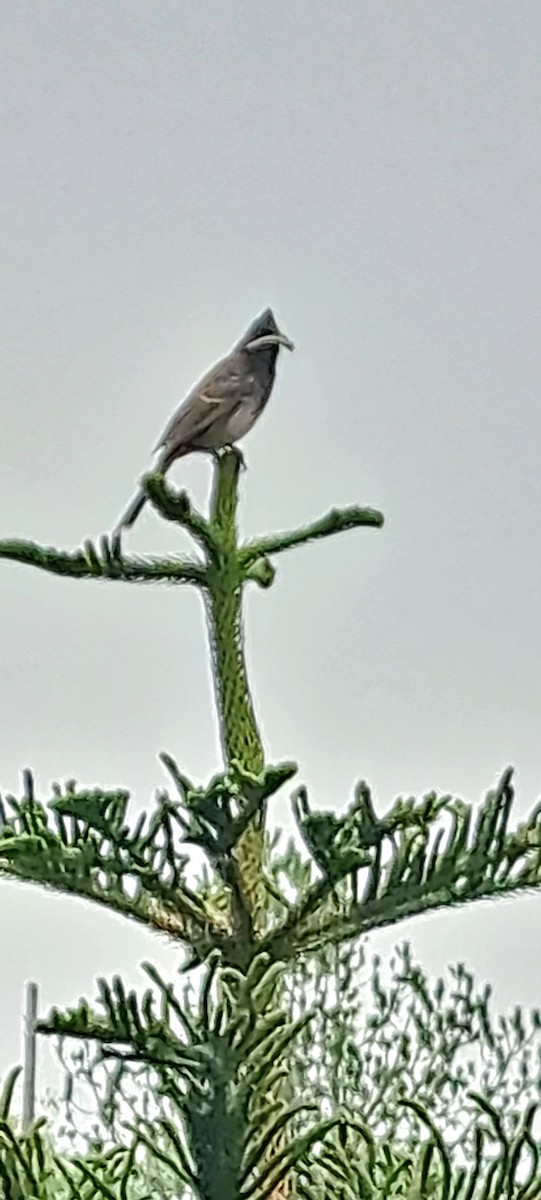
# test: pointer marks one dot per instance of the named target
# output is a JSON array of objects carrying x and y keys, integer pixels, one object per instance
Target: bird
[{"x": 223, "y": 406}]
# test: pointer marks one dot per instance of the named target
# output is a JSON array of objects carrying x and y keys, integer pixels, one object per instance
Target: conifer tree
[{"x": 233, "y": 1128}]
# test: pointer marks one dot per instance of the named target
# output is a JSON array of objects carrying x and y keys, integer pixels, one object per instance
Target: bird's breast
[{"x": 242, "y": 418}]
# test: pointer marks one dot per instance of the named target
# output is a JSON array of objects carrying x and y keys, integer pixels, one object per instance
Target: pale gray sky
[{"x": 372, "y": 171}]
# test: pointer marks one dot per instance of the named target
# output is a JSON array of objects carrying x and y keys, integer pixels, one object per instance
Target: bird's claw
[
  {"x": 240, "y": 456},
  {"x": 225, "y": 450}
]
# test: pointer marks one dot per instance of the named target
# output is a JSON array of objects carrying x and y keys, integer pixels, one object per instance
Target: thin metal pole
[{"x": 30, "y": 1037}]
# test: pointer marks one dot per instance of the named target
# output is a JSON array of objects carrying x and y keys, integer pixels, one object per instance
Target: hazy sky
[{"x": 372, "y": 170}]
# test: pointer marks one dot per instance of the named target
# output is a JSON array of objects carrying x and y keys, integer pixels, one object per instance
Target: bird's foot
[
  {"x": 240, "y": 456},
  {"x": 225, "y": 450}
]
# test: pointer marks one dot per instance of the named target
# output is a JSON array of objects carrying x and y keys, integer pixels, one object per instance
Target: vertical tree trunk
[{"x": 240, "y": 737}]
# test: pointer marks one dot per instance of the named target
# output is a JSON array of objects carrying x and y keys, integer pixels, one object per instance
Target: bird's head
[{"x": 264, "y": 333}]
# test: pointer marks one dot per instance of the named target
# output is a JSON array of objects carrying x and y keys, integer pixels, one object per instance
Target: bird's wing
[{"x": 216, "y": 394}]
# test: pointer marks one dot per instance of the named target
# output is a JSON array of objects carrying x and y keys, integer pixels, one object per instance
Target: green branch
[
  {"x": 80, "y": 844},
  {"x": 416, "y": 865},
  {"x": 176, "y": 506},
  {"x": 338, "y": 520},
  {"x": 106, "y": 560},
  {"x": 106, "y": 563},
  {"x": 146, "y": 909}
]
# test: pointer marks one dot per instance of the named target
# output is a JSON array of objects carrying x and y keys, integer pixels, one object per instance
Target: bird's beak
[{"x": 270, "y": 339}]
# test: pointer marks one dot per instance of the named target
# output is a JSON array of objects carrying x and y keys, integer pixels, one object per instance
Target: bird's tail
[
  {"x": 138, "y": 502},
  {"x": 132, "y": 512}
]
